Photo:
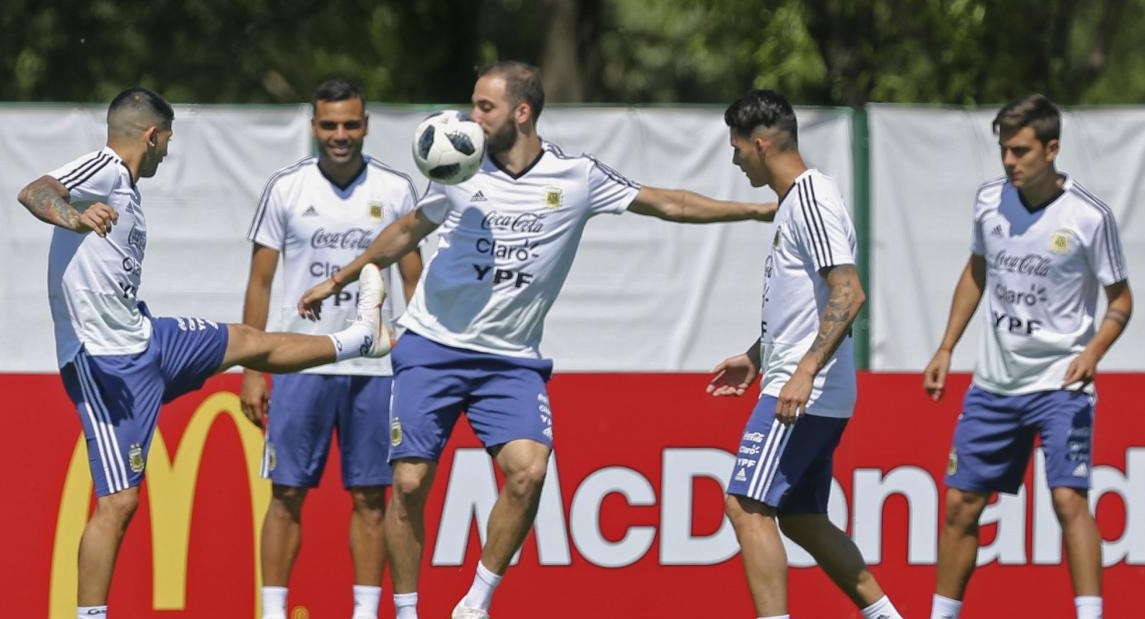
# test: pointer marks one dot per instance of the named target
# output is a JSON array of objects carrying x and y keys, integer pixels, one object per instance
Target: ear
[
  {"x": 149, "y": 135},
  {"x": 523, "y": 113},
  {"x": 1052, "y": 148}
]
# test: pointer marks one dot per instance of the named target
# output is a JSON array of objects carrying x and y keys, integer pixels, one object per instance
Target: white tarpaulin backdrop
[
  {"x": 643, "y": 295},
  {"x": 926, "y": 165}
]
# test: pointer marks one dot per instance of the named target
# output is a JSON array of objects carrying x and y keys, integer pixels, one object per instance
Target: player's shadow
[{"x": 459, "y": 281}]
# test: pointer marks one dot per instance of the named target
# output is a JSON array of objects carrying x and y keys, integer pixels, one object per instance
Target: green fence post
[{"x": 861, "y": 170}]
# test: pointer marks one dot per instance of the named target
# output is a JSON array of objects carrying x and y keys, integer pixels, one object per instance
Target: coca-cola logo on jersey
[
  {"x": 354, "y": 238},
  {"x": 1030, "y": 264},
  {"x": 516, "y": 222}
]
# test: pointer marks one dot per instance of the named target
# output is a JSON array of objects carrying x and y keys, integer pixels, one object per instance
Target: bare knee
[
  {"x": 369, "y": 503},
  {"x": 118, "y": 508},
  {"x": 525, "y": 481},
  {"x": 801, "y": 528},
  {"x": 286, "y": 502},
  {"x": 743, "y": 512},
  {"x": 963, "y": 509},
  {"x": 412, "y": 480},
  {"x": 1070, "y": 504}
]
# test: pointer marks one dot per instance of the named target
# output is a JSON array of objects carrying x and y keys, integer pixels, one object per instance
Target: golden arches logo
[{"x": 171, "y": 488}]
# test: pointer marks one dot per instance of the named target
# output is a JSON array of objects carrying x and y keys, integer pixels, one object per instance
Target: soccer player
[
  {"x": 119, "y": 363},
  {"x": 319, "y": 213},
  {"x": 508, "y": 238},
  {"x": 811, "y": 295},
  {"x": 1042, "y": 246}
]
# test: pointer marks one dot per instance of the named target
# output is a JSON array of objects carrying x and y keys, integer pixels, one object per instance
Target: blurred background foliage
[{"x": 826, "y": 52}]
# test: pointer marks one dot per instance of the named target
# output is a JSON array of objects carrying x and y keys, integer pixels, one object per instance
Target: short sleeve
[
  {"x": 435, "y": 205},
  {"x": 90, "y": 178},
  {"x": 1104, "y": 252},
  {"x": 608, "y": 190},
  {"x": 269, "y": 224},
  {"x": 823, "y": 227}
]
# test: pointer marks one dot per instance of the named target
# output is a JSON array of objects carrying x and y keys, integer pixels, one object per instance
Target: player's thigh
[
  {"x": 300, "y": 423},
  {"x": 511, "y": 404},
  {"x": 773, "y": 458},
  {"x": 425, "y": 402},
  {"x": 363, "y": 432},
  {"x": 190, "y": 350},
  {"x": 1064, "y": 419},
  {"x": 117, "y": 399},
  {"x": 991, "y": 445}
]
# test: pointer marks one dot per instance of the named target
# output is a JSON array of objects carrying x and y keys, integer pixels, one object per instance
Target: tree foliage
[{"x": 830, "y": 52}]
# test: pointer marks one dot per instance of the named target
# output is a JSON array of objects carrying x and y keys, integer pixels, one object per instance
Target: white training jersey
[
  {"x": 319, "y": 227},
  {"x": 507, "y": 242},
  {"x": 93, "y": 281},
  {"x": 1043, "y": 273},
  {"x": 813, "y": 231}
]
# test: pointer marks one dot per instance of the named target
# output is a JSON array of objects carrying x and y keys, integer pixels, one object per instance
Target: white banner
[
  {"x": 926, "y": 165},
  {"x": 643, "y": 295}
]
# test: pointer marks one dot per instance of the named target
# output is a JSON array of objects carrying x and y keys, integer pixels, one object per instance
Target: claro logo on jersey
[{"x": 357, "y": 239}]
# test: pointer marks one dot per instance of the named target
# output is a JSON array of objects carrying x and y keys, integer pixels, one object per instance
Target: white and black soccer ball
[{"x": 448, "y": 147}]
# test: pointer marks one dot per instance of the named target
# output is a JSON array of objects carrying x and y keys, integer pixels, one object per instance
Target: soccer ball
[{"x": 448, "y": 147}]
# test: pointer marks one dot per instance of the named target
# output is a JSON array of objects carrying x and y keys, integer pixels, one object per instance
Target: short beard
[{"x": 502, "y": 141}]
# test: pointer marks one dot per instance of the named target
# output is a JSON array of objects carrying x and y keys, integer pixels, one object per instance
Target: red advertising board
[{"x": 633, "y": 526}]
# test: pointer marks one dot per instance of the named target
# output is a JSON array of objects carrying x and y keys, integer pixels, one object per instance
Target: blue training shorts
[
  {"x": 786, "y": 467},
  {"x": 305, "y": 409},
  {"x": 118, "y": 396},
  {"x": 504, "y": 398},
  {"x": 995, "y": 435}
]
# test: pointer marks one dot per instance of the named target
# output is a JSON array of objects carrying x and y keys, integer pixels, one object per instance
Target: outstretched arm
[
  {"x": 967, "y": 294},
  {"x": 1120, "y": 306},
  {"x": 391, "y": 244},
  {"x": 48, "y": 200},
  {"x": 843, "y": 303},
  {"x": 690, "y": 207}
]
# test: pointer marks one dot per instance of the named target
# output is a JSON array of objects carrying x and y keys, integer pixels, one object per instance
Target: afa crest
[
  {"x": 376, "y": 210},
  {"x": 271, "y": 456},
  {"x": 1061, "y": 241},
  {"x": 554, "y": 197},
  {"x": 395, "y": 432},
  {"x": 135, "y": 458},
  {"x": 952, "y": 463}
]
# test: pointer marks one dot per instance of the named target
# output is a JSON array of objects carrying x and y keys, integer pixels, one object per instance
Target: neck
[
  {"x": 342, "y": 173},
  {"x": 522, "y": 155},
  {"x": 131, "y": 157},
  {"x": 1038, "y": 192},
  {"x": 784, "y": 169}
]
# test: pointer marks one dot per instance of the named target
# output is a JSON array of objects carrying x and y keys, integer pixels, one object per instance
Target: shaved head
[{"x": 136, "y": 110}]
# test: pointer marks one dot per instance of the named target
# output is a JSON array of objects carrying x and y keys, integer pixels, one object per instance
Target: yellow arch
[{"x": 171, "y": 486}]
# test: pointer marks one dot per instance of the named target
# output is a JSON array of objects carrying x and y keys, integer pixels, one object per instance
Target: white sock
[
  {"x": 353, "y": 341},
  {"x": 406, "y": 605},
  {"x": 274, "y": 603},
  {"x": 481, "y": 593},
  {"x": 775, "y": 617},
  {"x": 1088, "y": 606},
  {"x": 86, "y": 612},
  {"x": 945, "y": 608},
  {"x": 366, "y": 601},
  {"x": 882, "y": 609}
]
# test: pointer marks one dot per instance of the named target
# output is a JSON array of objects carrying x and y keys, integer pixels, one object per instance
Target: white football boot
[
  {"x": 465, "y": 612},
  {"x": 371, "y": 293}
]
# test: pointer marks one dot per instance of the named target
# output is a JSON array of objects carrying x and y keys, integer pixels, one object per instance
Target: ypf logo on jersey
[{"x": 554, "y": 197}]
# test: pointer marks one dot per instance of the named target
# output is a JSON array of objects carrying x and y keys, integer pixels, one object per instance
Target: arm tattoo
[
  {"x": 1118, "y": 316},
  {"x": 837, "y": 317},
  {"x": 48, "y": 206}
]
